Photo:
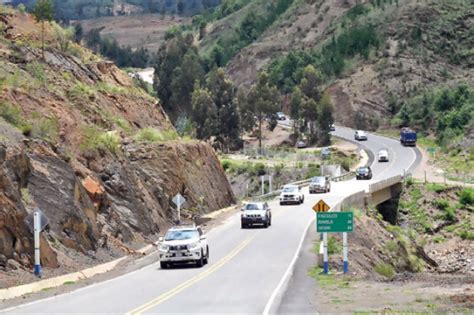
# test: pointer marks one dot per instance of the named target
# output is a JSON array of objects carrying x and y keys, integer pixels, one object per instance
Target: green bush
[
  {"x": 81, "y": 91},
  {"x": 441, "y": 204},
  {"x": 334, "y": 245},
  {"x": 415, "y": 263},
  {"x": 466, "y": 197},
  {"x": 94, "y": 139},
  {"x": 150, "y": 134},
  {"x": 226, "y": 164},
  {"x": 110, "y": 141},
  {"x": 46, "y": 128},
  {"x": 437, "y": 188},
  {"x": 392, "y": 246},
  {"x": 450, "y": 214},
  {"x": 37, "y": 71},
  {"x": 11, "y": 113},
  {"x": 385, "y": 270},
  {"x": 466, "y": 234},
  {"x": 259, "y": 169}
]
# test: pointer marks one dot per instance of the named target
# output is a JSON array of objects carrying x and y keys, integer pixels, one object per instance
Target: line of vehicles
[{"x": 185, "y": 244}]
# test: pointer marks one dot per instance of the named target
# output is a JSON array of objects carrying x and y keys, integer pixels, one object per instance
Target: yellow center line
[{"x": 167, "y": 295}]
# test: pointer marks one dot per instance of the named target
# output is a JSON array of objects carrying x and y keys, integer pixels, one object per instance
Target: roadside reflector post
[
  {"x": 263, "y": 182},
  {"x": 37, "y": 230},
  {"x": 270, "y": 183},
  {"x": 326, "y": 257},
  {"x": 345, "y": 252}
]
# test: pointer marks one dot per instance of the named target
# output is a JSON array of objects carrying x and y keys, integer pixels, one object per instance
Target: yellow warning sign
[{"x": 321, "y": 206}]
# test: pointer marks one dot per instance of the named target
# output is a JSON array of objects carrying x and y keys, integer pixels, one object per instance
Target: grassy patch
[
  {"x": 329, "y": 281},
  {"x": 334, "y": 245},
  {"x": 437, "y": 188},
  {"x": 385, "y": 270},
  {"x": 94, "y": 139},
  {"x": 108, "y": 88},
  {"x": 36, "y": 70},
  {"x": 81, "y": 91},
  {"x": 14, "y": 116},
  {"x": 466, "y": 197},
  {"x": 69, "y": 282},
  {"x": 153, "y": 135}
]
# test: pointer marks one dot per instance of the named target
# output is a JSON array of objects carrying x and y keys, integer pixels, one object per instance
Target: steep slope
[
  {"x": 422, "y": 45},
  {"x": 96, "y": 154}
]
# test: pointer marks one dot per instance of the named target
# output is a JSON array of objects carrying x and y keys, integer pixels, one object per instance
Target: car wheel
[
  {"x": 200, "y": 261},
  {"x": 243, "y": 225},
  {"x": 206, "y": 260},
  {"x": 163, "y": 265},
  {"x": 265, "y": 224},
  {"x": 270, "y": 221},
  {"x": 281, "y": 203}
]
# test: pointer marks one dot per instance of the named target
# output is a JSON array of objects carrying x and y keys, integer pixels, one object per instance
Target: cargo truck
[{"x": 407, "y": 137}]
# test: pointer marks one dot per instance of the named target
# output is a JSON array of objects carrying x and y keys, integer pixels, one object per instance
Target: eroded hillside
[{"x": 95, "y": 153}]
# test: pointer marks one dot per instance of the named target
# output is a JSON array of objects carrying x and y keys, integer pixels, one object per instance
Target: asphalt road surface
[{"x": 249, "y": 269}]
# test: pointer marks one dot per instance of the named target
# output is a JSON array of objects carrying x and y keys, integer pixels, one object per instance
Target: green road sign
[{"x": 333, "y": 222}]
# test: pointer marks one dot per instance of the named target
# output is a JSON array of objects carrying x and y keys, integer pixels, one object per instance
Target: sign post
[
  {"x": 37, "y": 230},
  {"x": 321, "y": 206},
  {"x": 333, "y": 222},
  {"x": 263, "y": 184},
  {"x": 345, "y": 252},
  {"x": 178, "y": 200}
]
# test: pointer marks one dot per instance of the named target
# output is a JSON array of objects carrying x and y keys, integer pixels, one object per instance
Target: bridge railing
[{"x": 385, "y": 183}]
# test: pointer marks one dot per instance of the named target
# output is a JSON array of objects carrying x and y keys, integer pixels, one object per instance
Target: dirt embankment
[
  {"x": 424, "y": 263},
  {"x": 69, "y": 144}
]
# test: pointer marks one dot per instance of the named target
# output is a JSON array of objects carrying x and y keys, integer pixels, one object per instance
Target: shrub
[
  {"x": 466, "y": 234},
  {"x": 150, "y": 134},
  {"x": 466, "y": 196},
  {"x": 259, "y": 169},
  {"x": 226, "y": 164},
  {"x": 94, "y": 139},
  {"x": 415, "y": 263},
  {"x": 450, "y": 214},
  {"x": 105, "y": 87},
  {"x": 441, "y": 204},
  {"x": 11, "y": 113},
  {"x": 123, "y": 124},
  {"x": 81, "y": 91},
  {"x": 437, "y": 188},
  {"x": 37, "y": 71},
  {"x": 110, "y": 141},
  {"x": 334, "y": 246},
  {"x": 392, "y": 246},
  {"x": 385, "y": 270},
  {"x": 46, "y": 128}
]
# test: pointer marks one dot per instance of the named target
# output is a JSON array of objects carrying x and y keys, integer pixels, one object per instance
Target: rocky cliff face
[{"x": 70, "y": 145}]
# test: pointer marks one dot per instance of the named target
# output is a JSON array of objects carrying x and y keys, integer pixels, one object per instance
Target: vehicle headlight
[
  {"x": 193, "y": 246},
  {"x": 164, "y": 247}
]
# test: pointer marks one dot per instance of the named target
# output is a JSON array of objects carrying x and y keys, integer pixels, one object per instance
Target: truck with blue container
[{"x": 407, "y": 137}]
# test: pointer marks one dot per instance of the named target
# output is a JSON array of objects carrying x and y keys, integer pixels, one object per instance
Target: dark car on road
[{"x": 364, "y": 172}]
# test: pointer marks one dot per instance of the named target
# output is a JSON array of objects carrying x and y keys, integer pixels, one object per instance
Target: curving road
[{"x": 248, "y": 270}]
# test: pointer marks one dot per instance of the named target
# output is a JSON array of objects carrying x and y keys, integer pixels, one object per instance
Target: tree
[
  {"x": 43, "y": 12},
  {"x": 325, "y": 120},
  {"x": 78, "y": 32},
  {"x": 310, "y": 82},
  {"x": 204, "y": 113},
  {"x": 261, "y": 102},
  {"x": 295, "y": 107}
]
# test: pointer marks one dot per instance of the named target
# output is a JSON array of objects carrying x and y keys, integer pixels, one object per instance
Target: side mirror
[
  {"x": 242, "y": 209},
  {"x": 160, "y": 239}
]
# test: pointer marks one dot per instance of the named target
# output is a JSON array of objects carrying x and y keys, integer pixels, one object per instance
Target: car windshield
[
  {"x": 318, "y": 180},
  {"x": 254, "y": 206},
  {"x": 363, "y": 170},
  {"x": 290, "y": 189},
  {"x": 179, "y": 235}
]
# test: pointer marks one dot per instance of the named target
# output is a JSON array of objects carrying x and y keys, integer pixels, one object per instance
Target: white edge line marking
[
  {"x": 288, "y": 271},
  {"x": 6, "y": 310}
]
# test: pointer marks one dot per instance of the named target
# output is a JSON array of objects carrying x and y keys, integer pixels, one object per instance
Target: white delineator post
[
  {"x": 326, "y": 258},
  {"x": 37, "y": 231},
  {"x": 270, "y": 183},
  {"x": 345, "y": 252},
  {"x": 263, "y": 187}
]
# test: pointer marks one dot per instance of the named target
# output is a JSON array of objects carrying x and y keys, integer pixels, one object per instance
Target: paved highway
[{"x": 248, "y": 269}]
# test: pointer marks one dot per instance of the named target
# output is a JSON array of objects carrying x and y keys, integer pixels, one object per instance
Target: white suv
[
  {"x": 183, "y": 244},
  {"x": 256, "y": 213},
  {"x": 291, "y": 194},
  {"x": 360, "y": 135}
]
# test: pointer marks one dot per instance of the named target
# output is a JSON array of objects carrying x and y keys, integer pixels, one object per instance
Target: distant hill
[{"x": 87, "y": 9}]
